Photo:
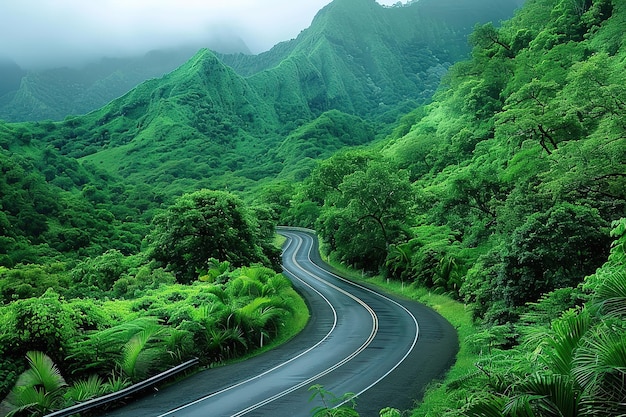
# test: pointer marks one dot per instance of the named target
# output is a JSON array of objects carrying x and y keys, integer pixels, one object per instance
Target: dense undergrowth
[
  {"x": 95, "y": 345},
  {"x": 501, "y": 194},
  {"x": 90, "y": 325},
  {"x": 562, "y": 363},
  {"x": 568, "y": 363}
]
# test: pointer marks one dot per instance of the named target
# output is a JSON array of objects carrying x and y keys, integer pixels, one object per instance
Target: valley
[{"x": 471, "y": 151}]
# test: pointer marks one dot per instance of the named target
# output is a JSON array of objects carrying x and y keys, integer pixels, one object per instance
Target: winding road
[{"x": 382, "y": 348}]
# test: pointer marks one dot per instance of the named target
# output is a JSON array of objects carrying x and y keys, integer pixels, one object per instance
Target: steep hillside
[
  {"x": 369, "y": 58},
  {"x": 206, "y": 125},
  {"x": 53, "y": 94},
  {"x": 518, "y": 165},
  {"x": 198, "y": 122},
  {"x": 503, "y": 193}
]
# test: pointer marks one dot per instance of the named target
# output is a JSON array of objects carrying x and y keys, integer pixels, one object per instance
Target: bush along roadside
[{"x": 226, "y": 314}]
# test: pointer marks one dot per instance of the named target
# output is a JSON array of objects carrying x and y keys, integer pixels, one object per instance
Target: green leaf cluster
[
  {"x": 100, "y": 345},
  {"x": 209, "y": 224}
]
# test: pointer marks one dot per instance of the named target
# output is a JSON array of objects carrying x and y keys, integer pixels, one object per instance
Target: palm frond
[
  {"x": 86, "y": 389},
  {"x": 243, "y": 286},
  {"x": 610, "y": 295},
  {"x": 137, "y": 359},
  {"x": 521, "y": 405},
  {"x": 567, "y": 333},
  {"x": 42, "y": 372},
  {"x": 38, "y": 388},
  {"x": 601, "y": 371},
  {"x": 550, "y": 395},
  {"x": 210, "y": 313},
  {"x": 275, "y": 285},
  {"x": 218, "y": 291},
  {"x": 221, "y": 342},
  {"x": 103, "y": 347},
  {"x": 255, "y": 305},
  {"x": 258, "y": 273},
  {"x": 489, "y": 406},
  {"x": 28, "y": 399}
]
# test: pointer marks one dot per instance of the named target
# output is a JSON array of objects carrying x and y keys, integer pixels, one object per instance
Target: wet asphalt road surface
[{"x": 384, "y": 349}]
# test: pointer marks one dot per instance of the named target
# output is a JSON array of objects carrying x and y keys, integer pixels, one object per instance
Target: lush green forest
[
  {"x": 505, "y": 186},
  {"x": 53, "y": 94},
  {"x": 93, "y": 322},
  {"x": 502, "y": 193},
  {"x": 506, "y": 191},
  {"x": 111, "y": 240}
]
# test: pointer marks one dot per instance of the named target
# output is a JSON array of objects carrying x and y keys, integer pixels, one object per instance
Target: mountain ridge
[
  {"x": 53, "y": 94},
  {"x": 206, "y": 105},
  {"x": 58, "y": 93}
]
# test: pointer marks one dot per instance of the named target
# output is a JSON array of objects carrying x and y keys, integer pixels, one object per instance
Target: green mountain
[
  {"x": 212, "y": 124},
  {"x": 441, "y": 29},
  {"x": 53, "y": 94},
  {"x": 209, "y": 125},
  {"x": 517, "y": 167}
]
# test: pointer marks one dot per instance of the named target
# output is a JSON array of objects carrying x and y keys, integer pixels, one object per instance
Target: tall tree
[
  {"x": 552, "y": 250},
  {"x": 366, "y": 212},
  {"x": 207, "y": 224}
]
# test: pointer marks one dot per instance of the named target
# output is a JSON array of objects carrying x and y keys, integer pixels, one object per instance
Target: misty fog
[{"x": 44, "y": 34}]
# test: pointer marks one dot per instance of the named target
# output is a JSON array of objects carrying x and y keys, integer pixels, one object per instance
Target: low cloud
[{"x": 46, "y": 33}]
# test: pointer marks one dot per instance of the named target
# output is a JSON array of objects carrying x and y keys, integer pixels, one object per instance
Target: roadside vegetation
[
  {"x": 550, "y": 363},
  {"x": 506, "y": 193},
  {"x": 73, "y": 331}
]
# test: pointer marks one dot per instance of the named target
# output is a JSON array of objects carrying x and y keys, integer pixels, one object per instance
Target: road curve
[{"x": 382, "y": 348}]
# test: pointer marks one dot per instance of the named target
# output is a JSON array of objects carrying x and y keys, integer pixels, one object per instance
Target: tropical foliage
[
  {"x": 515, "y": 172},
  {"x": 500, "y": 193},
  {"x": 100, "y": 346},
  {"x": 573, "y": 366}
]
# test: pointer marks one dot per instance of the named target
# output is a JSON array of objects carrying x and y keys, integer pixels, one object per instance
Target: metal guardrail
[{"x": 118, "y": 395}]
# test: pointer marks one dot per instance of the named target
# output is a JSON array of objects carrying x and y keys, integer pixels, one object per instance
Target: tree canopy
[{"x": 208, "y": 224}]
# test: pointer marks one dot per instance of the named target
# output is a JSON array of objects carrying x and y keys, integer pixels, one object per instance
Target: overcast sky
[{"x": 44, "y": 32}]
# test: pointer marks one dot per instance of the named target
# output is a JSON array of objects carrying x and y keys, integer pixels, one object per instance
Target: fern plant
[
  {"x": 39, "y": 389},
  {"x": 85, "y": 389}
]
